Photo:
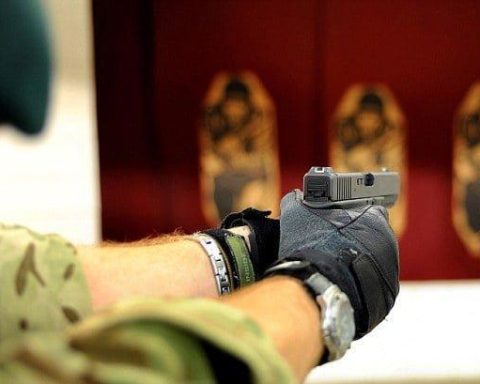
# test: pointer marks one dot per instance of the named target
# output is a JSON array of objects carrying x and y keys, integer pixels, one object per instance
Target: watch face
[
  {"x": 338, "y": 323},
  {"x": 344, "y": 323},
  {"x": 337, "y": 312}
]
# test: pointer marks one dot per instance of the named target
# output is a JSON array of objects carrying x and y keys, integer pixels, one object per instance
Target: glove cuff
[{"x": 264, "y": 236}]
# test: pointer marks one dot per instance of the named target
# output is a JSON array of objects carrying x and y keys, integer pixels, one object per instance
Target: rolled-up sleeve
[{"x": 142, "y": 341}]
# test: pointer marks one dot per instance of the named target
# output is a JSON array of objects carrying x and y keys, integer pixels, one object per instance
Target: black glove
[
  {"x": 355, "y": 249},
  {"x": 264, "y": 237}
]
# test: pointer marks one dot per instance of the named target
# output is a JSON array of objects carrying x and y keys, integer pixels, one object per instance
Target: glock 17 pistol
[{"x": 325, "y": 188}]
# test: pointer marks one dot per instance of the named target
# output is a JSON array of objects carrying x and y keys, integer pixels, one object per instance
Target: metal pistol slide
[{"x": 325, "y": 188}]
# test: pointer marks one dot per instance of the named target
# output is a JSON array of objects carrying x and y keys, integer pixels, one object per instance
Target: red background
[{"x": 155, "y": 60}]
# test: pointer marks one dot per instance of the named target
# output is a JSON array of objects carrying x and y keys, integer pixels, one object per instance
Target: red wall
[
  {"x": 155, "y": 61},
  {"x": 427, "y": 52}
]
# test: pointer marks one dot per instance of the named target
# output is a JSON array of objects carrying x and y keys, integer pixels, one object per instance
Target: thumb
[{"x": 291, "y": 199}]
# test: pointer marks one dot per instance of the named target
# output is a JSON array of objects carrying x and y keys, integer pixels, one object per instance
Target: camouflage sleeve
[
  {"x": 42, "y": 288},
  {"x": 150, "y": 341}
]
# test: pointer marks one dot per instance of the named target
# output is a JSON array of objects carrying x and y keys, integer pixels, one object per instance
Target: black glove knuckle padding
[{"x": 354, "y": 248}]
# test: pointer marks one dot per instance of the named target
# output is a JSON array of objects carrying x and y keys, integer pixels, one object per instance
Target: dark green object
[
  {"x": 25, "y": 65},
  {"x": 241, "y": 260}
]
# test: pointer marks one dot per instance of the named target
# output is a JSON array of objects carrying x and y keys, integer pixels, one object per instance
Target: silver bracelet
[{"x": 217, "y": 261}]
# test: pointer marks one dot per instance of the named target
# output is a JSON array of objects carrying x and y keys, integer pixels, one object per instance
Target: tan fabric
[{"x": 42, "y": 286}]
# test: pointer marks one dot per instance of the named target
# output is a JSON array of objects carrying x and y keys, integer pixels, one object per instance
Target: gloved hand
[
  {"x": 355, "y": 249},
  {"x": 263, "y": 237}
]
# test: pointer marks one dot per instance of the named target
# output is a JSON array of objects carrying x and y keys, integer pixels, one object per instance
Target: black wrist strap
[{"x": 293, "y": 267}]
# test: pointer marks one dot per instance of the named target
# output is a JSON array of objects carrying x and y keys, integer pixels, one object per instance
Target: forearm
[
  {"x": 180, "y": 268},
  {"x": 177, "y": 268},
  {"x": 286, "y": 313},
  {"x": 167, "y": 266}
]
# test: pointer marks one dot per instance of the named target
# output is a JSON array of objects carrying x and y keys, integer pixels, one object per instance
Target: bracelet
[
  {"x": 237, "y": 256},
  {"x": 217, "y": 261}
]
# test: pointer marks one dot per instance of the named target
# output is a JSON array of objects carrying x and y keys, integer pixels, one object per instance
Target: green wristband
[{"x": 241, "y": 259}]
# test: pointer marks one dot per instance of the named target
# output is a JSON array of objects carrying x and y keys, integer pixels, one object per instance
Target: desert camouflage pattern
[
  {"x": 369, "y": 133},
  {"x": 42, "y": 286},
  {"x": 466, "y": 168},
  {"x": 49, "y": 335},
  {"x": 238, "y": 147}
]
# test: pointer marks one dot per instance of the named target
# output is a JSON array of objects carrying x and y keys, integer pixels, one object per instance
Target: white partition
[{"x": 50, "y": 182}]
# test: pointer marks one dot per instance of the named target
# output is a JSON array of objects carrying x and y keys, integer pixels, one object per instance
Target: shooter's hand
[
  {"x": 263, "y": 236},
  {"x": 355, "y": 249}
]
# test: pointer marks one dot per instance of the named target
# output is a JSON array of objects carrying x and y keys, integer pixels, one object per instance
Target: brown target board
[
  {"x": 238, "y": 147},
  {"x": 368, "y": 134},
  {"x": 466, "y": 169}
]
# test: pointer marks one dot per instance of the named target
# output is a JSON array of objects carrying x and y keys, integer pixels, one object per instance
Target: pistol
[{"x": 325, "y": 188}]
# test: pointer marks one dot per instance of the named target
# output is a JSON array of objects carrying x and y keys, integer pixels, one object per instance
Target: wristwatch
[
  {"x": 337, "y": 320},
  {"x": 338, "y": 325}
]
